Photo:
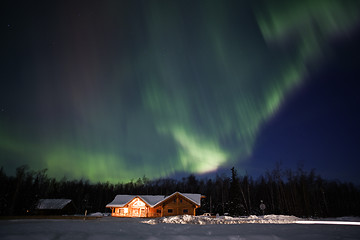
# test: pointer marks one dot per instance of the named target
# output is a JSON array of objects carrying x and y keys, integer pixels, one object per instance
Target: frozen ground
[{"x": 125, "y": 228}]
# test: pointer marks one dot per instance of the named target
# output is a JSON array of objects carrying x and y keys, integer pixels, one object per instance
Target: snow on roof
[
  {"x": 52, "y": 203},
  {"x": 193, "y": 197},
  {"x": 120, "y": 200},
  {"x": 151, "y": 200}
]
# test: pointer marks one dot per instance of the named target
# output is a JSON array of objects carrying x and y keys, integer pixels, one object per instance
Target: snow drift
[{"x": 202, "y": 220}]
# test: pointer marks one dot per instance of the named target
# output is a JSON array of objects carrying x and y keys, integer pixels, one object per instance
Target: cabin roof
[
  {"x": 152, "y": 200},
  {"x": 122, "y": 200},
  {"x": 52, "y": 203},
  {"x": 194, "y": 197}
]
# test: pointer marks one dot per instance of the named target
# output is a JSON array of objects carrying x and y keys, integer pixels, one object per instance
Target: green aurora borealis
[{"x": 152, "y": 88}]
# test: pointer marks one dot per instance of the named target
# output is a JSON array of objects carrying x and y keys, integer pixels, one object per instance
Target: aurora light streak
[{"x": 116, "y": 91}]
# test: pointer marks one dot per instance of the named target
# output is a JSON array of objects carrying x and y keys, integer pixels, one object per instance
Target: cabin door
[
  {"x": 136, "y": 212},
  {"x": 142, "y": 212}
]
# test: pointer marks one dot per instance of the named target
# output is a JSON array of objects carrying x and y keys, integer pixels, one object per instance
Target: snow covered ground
[
  {"x": 274, "y": 219},
  {"x": 186, "y": 219},
  {"x": 253, "y": 227}
]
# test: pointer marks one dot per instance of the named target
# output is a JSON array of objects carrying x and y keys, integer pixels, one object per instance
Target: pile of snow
[
  {"x": 202, "y": 220},
  {"x": 97, "y": 214}
]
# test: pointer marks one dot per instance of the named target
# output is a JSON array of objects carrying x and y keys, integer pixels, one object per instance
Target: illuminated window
[
  {"x": 170, "y": 210},
  {"x": 185, "y": 211}
]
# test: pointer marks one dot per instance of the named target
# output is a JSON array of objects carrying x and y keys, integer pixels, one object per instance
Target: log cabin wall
[
  {"x": 178, "y": 205},
  {"x": 155, "y": 212}
]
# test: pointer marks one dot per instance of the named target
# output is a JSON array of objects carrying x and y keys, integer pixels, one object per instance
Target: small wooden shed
[
  {"x": 55, "y": 207},
  {"x": 154, "y": 205}
]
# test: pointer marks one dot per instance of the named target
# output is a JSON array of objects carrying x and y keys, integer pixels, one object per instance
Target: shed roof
[{"x": 52, "y": 203}]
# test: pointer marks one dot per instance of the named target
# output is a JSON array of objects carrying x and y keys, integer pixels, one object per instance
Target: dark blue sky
[{"x": 319, "y": 126}]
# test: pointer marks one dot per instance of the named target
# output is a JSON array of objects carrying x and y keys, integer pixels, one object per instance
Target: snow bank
[
  {"x": 202, "y": 220},
  {"x": 97, "y": 214}
]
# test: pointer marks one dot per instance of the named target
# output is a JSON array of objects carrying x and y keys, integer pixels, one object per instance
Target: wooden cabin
[
  {"x": 55, "y": 207},
  {"x": 154, "y": 205}
]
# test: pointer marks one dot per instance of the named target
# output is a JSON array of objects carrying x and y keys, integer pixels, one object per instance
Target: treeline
[{"x": 299, "y": 193}]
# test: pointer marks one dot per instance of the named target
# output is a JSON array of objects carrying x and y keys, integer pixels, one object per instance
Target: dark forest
[{"x": 290, "y": 192}]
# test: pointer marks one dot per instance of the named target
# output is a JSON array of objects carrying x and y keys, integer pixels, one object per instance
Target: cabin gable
[
  {"x": 134, "y": 208},
  {"x": 177, "y": 204}
]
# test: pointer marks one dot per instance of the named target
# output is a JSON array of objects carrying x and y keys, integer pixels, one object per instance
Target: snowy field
[{"x": 181, "y": 228}]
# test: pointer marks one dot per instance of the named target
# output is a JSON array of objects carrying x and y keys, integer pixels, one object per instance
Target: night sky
[{"x": 115, "y": 90}]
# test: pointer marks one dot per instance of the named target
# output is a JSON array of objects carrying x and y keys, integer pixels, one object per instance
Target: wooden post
[
  {"x": 210, "y": 205},
  {"x": 177, "y": 205}
]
